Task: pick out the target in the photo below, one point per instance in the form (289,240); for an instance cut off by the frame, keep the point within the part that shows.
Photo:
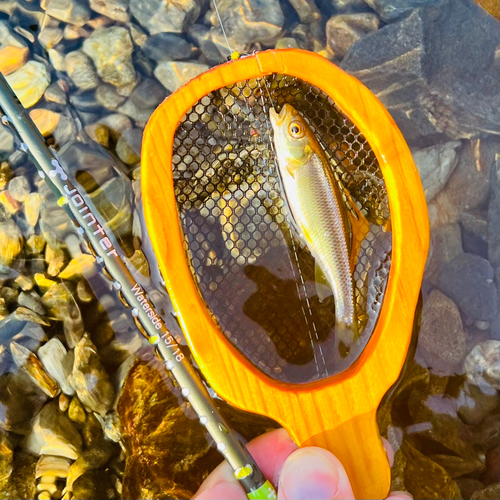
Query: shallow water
(126,432)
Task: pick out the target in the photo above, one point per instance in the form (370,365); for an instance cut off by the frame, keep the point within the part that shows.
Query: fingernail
(308,474)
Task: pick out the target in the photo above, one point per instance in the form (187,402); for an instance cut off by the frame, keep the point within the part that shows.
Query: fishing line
(294,249)
(222,27)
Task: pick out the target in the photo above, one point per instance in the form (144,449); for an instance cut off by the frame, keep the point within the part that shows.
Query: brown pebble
(63,402)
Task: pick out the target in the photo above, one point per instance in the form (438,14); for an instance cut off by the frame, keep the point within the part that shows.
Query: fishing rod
(132,295)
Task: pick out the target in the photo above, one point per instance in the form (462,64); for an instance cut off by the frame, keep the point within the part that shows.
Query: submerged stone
(434,71)
(29,82)
(13,50)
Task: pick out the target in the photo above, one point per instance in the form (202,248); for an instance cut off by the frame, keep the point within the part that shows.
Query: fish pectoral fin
(291,170)
(323,289)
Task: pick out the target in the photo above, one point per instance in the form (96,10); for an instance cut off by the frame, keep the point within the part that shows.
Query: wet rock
(27,333)
(81,70)
(438,483)
(148,94)
(475,233)
(27,360)
(419,67)
(55,93)
(51,466)
(306,10)
(21,483)
(92,432)
(63,402)
(94,484)
(138,114)
(98,133)
(83,265)
(53,433)
(70,11)
(89,379)
(435,165)
(29,82)
(20,400)
(114,9)
(349,5)
(76,411)
(60,304)
(491,492)
(468,486)
(19,188)
(490,475)
(56,361)
(391,9)
(117,124)
(92,458)
(85,101)
(468,185)
(6,456)
(32,208)
(441,333)
(56,258)
(458,466)
(158,17)
(494,235)
(345,29)
(35,244)
(11,242)
(6,173)
(468,280)
(148,411)
(172,75)
(167,47)
(110,49)
(482,366)
(287,43)
(128,147)
(13,50)
(32,301)
(56,58)
(11,205)
(49,37)
(6,140)
(246,22)
(107,96)
(445,245)
(45,120)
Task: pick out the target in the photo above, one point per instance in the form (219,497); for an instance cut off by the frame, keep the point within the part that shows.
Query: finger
(399,495)
(269,451)
(313,474)
(389,451)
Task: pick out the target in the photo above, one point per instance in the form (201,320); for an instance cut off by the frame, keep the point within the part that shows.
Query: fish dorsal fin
(323,288)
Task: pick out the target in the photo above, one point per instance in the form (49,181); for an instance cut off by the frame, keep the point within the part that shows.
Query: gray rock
(128,147)
(85,101)
(138,114)
(473,404)
(445,245)
(107,96)
(19,188)
(287,43)
(20,401)
(148,94)
(81,70)
(26,333)
(172,75)
(55,358)
(49,37)
(114,9)
(203,39)
(70,11)
(345,29)
(468,185)
(435,165)
(6,140)
(117,124)
(167,47)
(441,334)
(392,9)
(306,10)
(53,433)
(55,93)
(111,49)
(494,220)
(89,378)
(158,16)
(246,22)
(482,366)
(434,71)
(32,301)
(468,280)
(349,5)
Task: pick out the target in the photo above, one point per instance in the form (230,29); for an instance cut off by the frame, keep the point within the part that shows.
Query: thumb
(313,474)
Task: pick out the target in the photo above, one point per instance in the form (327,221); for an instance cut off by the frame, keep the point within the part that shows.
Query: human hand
(308,473)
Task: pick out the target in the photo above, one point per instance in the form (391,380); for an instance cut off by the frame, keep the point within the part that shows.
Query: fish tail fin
(359,227)
(345,333)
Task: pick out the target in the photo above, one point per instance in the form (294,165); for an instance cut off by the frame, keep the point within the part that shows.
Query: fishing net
(255,277)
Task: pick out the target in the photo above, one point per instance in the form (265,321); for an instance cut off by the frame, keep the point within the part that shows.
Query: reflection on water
(66,344)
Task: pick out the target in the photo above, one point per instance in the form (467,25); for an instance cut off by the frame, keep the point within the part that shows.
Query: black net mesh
(253,274)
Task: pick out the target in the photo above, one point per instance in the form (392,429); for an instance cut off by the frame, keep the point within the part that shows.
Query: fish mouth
(278,118)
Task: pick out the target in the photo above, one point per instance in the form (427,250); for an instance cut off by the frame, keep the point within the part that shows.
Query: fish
(319,215)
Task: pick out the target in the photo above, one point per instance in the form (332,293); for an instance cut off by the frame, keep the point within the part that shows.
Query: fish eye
(296,130)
